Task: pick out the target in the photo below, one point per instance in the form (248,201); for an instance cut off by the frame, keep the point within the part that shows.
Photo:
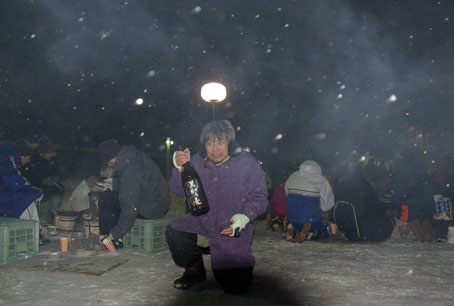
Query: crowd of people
(364,202)
(367,200)
(233,180)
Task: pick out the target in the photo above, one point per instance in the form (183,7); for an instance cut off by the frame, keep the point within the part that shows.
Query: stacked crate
(148,236)
(19,239)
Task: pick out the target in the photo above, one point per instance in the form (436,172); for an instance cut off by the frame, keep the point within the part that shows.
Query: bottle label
(192,188)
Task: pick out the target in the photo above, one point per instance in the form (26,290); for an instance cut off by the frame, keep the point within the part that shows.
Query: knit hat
(23,147)
(45,145)
(108,150)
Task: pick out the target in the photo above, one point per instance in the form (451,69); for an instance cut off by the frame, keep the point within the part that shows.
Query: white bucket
(451,234)
(66,223)
(91,227)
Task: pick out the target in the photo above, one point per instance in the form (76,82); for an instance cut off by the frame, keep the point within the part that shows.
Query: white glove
(107,239)
(108,243)
(180,168)
(238,221)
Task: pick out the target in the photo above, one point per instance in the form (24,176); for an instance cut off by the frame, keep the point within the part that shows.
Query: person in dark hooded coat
(414,187)
(43,172)
(139,190)
(413,194)
(17,196)
(358,212)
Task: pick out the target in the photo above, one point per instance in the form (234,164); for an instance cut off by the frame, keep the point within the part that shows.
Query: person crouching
(237,193)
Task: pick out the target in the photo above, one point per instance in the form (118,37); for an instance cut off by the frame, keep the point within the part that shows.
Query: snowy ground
(396,272)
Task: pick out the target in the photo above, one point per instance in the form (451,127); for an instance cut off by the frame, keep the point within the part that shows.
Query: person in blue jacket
(17,196)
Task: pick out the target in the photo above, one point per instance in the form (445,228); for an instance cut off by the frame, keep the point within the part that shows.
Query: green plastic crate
(172,213)
(147,236)
(19,239)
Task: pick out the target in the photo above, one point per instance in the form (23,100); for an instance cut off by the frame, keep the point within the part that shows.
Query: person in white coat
(308,194)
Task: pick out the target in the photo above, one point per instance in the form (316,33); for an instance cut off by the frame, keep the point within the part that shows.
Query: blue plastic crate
(19,239)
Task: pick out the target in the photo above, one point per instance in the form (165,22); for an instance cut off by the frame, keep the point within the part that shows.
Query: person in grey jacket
(308,195)
(142,191)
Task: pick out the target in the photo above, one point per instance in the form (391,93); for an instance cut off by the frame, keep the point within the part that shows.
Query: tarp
(79,198)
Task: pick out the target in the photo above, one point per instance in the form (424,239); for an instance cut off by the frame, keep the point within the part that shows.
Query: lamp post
(169,142)
(213,93)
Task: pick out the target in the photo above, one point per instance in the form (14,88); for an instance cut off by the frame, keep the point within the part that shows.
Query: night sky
(305,79)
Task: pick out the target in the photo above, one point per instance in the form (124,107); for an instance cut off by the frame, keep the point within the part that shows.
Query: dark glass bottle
(193,189)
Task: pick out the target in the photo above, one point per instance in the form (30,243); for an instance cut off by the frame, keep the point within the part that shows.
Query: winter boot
(285,224)
(280,223)
(404,230)
(268,222)
(289,236)
(417,229)
(191,276)
(428,231)
(301,236)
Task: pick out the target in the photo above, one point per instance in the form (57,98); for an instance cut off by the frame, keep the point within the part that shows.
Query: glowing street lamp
(213,93)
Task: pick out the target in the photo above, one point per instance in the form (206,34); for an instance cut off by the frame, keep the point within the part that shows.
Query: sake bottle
(193,189)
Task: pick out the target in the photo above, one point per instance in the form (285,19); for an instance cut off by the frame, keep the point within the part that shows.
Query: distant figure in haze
(377,176)
(308,194)
(413,194)
(236,190)
(17,196)
(278,209)
(353,162)
(358,212)
(269,190)
(43,172)
(443,175)
(139,191)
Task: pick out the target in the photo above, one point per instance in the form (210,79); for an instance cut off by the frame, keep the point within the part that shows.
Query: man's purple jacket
(235,187)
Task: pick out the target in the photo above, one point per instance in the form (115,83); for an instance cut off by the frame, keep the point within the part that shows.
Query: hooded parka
(308,193)
(16,193)
(142,189)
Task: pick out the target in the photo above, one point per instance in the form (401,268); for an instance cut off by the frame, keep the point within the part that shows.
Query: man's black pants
(185,253)
(108,211)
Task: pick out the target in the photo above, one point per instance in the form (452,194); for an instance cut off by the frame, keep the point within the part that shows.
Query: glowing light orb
(213,92)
